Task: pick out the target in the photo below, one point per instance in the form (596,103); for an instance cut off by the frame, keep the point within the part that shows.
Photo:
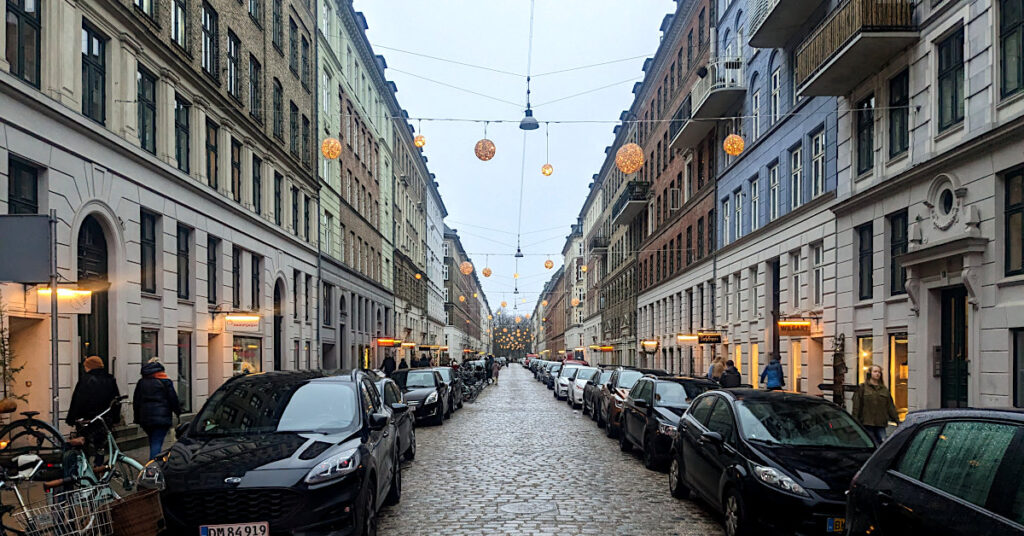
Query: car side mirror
(713,438)
(609,386)
(179,431)
(378,421)
(641,403)
(398,407)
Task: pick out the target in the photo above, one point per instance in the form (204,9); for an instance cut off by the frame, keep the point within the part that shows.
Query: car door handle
(884,498)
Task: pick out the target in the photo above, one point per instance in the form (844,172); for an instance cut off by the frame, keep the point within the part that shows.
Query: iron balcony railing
(599,242)
(722,73)
(635,191)
(846,22)
(682,115)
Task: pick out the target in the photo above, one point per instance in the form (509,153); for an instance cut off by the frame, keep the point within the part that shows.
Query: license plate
(836,524)
(236,529)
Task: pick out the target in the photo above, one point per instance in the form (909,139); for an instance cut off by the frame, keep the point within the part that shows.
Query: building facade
(574,288)
(464,320)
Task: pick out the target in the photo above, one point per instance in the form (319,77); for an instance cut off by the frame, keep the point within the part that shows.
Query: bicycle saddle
(30,414)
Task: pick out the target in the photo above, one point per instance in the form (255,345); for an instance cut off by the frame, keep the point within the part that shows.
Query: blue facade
(775,142)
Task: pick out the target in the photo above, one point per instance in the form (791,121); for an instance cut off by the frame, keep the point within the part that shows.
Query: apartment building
(464,320)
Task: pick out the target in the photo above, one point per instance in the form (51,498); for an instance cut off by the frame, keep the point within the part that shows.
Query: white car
(583,375)
(563,380)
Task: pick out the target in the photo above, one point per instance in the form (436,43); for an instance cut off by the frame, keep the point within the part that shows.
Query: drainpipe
(316,178)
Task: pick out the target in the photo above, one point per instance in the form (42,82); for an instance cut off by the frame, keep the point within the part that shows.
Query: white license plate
(236,529)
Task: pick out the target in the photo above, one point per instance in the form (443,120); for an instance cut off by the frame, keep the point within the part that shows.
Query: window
(145,104)
(277,30)
(179,23)
(150,344)
(700,238)
(278,194)
(865,135)
(256,288)
(755,206)
(1011,46)
(326,304)
(721,421)
(23,188)
(711,230)
(737,220)
(146,6)
(184,263)
(293,124)
(818,164)
(328,233)
(184,383)
(212,132)
(293,46)
(325,87)
(897,247)
(23,41)
(236,170)
(796,181)
(236,277)
(212,247)
(752,298)
(256,12)
(255,91)
(211,40)
(296,281)
(305,297)
(1018,367)
(773,191)
(1014,216)
(305,140)
(305,62)
(755,115)
(865,357)
(689,244)
(305,221)
(257,185)
(94,74)
(147,261)
(445,270)
(899,113)
(725,221)
(278,110)
(776,94)
(794,272)
(233,46)
(182,133)
(818,273)
(951,80)
(964,458)
(864,263)
(295,211)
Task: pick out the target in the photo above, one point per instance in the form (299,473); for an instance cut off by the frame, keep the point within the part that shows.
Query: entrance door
(93,328)
(278,326)
(954,348)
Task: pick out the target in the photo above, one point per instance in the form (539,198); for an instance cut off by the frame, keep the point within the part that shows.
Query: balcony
(720,89)
(599,243)
(852,43)
(773,22)
(631,202)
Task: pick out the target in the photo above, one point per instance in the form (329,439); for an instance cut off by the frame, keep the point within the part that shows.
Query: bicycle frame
(82,472)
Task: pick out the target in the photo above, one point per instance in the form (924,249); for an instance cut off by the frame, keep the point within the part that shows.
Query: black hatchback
(780,462)
(951,472)
(309,453)
(651,412)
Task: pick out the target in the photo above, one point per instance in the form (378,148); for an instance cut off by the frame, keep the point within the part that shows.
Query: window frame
(233,52)
(210,42)
(776,94)
(255,280)
(184,258)
(899,240)
(755,203)
(18,171)
(255,88)
(865,261)
(818,163)
(950,50)
(212,153)
(212,252)
(865,129)
(24,19)
(1011,210)
(278,198)
(257,185)
(145,106)
(773,191)
(94,75)
(277,25)
(180,24)
(1006,29)
(796,178)
(899,113)
(182,133)
(236,277)
(236,170)
(147,251)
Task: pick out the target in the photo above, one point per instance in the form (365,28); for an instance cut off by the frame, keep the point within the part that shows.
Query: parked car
(651,412)
(454,383)
(613,394)
(592,393)
(769,460)
(552,372)
(583,375)
(572,361)
(562,381)
(405,423)
(426,394)
(951,472)
(285,453)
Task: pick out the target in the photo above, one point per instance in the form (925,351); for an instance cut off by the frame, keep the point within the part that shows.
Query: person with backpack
(731,377)
(772,376)
(154,403)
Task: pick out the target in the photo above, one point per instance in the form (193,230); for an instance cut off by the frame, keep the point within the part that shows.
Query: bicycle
(33,450)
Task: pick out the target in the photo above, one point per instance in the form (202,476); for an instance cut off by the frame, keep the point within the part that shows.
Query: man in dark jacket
(95,390)
(155,401)
(388,366)
(731,377)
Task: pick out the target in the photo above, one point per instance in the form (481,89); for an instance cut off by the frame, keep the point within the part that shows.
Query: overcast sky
(482,198)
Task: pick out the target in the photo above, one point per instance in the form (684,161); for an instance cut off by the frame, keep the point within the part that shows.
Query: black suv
(651,413)
(310,452)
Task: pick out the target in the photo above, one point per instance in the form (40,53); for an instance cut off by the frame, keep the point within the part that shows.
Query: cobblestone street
(519,462)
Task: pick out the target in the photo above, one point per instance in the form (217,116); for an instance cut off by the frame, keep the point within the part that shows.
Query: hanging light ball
(575,302)
(475,295)
(466,267)
(418,276)
(544,303)
(547,170)
(518,319)
(419,141)
(527,316)
(487,272)
(549,264)
(733,145)
(484,149)
(331,148)
(544,319)
(462,298)
(515,276)
(583,268)
(490,317)
(629,158)
(504,330)
(504,304)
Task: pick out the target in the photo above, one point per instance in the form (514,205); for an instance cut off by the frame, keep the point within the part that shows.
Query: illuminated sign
(794,328)
(69,301)
(242,322)
(709,337)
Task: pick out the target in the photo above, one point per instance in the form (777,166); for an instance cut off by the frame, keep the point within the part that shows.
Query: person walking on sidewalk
(772,376)
(95,390)
(154,402)
(731,377)
(873,406)
(388,366)
(495,369)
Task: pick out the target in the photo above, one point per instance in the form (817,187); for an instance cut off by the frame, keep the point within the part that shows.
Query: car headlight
(431,399)
(776,479)
(338,465)
(667,429)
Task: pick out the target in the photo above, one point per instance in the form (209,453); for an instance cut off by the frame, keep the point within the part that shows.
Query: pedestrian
(873,406)
(388,366)
(731,377)
(772,376)
(716,369)
(154,402)
(402,364)
(495,369)
(488,365)
(95,391)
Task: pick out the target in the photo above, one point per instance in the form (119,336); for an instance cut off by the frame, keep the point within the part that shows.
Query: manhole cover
(527,507)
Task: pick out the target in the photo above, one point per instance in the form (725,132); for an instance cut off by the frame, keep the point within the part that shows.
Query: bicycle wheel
(124,475)
(31,436)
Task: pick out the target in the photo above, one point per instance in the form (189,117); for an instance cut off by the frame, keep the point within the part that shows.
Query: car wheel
(439,418)
(609,429)
(448,414)
(410,452)
(624,444)
(395,493)
(735,514)
(368,524)
(649,461)
(677,479)
(599,417)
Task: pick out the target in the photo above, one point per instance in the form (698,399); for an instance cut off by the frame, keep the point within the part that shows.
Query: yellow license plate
(836,524)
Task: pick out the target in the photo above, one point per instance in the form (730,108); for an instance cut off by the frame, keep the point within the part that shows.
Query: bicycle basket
(80,512)
(138,514)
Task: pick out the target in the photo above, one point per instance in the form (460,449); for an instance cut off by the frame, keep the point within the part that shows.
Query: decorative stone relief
(945,201)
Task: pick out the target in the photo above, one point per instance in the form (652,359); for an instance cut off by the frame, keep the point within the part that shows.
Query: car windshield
(799,424)
(568,372)
(586,374)
(267,407)
(628,377)
(672,394)
(415,379)
(446,374)
(605,374)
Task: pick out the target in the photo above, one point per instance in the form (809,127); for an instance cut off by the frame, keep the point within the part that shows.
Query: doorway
(94,328)
(279,325)
(954,348)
